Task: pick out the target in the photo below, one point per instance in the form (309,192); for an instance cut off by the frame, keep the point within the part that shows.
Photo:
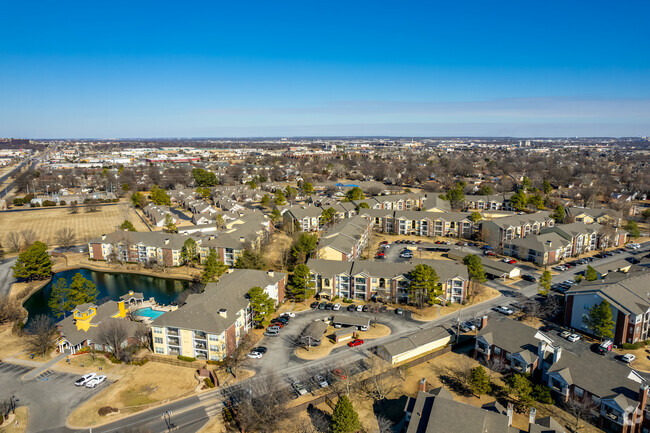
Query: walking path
(44,366)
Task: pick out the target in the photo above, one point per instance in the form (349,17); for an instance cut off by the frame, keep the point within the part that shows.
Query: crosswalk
(213,409)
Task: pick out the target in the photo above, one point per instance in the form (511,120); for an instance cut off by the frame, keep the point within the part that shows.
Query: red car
(356,342)
(490,253)
(512,262)
(383,243)
(339,373)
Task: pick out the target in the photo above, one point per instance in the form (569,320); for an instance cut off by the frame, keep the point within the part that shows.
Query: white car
(336,307)
(95,381)
(628,357)
(288,314)
(299,388)
(320,380)
(565,334)
(254,355)
(573,338)
(504,310)
(84,379)
(359,307)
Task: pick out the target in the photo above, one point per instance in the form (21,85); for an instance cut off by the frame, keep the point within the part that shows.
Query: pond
(111,287)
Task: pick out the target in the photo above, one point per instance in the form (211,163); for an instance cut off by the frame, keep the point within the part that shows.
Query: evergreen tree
(189,252)
(423,284)
(204,178)
(485,190)
(344,418)
(128,225)
(212,268)
(280,199)
(559,214)
(82,290)
(546,187)
(250,260)
(300,284)
(159,196)
(34,263)
(476,217)
(519,200)
(137,199)
(290,192)
(479,382)
(307,188)
(521,386)
(590,274)
(632,228)
(59,302)
(276,215)
(526,184)
(261,303)
(456,196)
(170,225)
(354,193)
(327,217)
(219,221)
(266,200)
(475,268)
(303,246)
(537,201)
(544,283)
(599,320)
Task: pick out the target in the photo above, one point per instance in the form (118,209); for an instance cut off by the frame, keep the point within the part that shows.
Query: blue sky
(217,69)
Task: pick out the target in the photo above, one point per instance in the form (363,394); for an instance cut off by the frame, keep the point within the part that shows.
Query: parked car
(467,326)
(605,346)
(399,311)
(320,380)
(314,304)
(299,388)
(337,372)
(573,338)
(365,308)
(321,306)
(352,307)
(512,261)
(329,306)
(356,342)
(628,357)
(528,278)
(255,355)
(504,310)
(336,307)
(95,381)
(565,334)
(359,307)
(271,333)
(489,253)
(260,349)
(274,328)
(383,309)
(288,314)
(84,379)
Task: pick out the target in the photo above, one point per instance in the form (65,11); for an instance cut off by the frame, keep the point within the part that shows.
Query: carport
(340,320)
(498,269)
(344,334)
(313,333)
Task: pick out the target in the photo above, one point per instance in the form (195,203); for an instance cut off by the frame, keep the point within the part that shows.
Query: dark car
(528,278)
(329,306)
(383,309)
(352,307)
(365,308)
(322,305)
(260,349)
(314,304)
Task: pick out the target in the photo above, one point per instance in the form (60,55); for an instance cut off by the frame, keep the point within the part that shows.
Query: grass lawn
(484,293)
(11,344)
(273,252)
(21,417)
(135,386)
(45,222)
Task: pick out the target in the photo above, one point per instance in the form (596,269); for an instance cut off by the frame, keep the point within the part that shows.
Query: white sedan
(628,357)
(84,379)
(320,380)
(95,381)
(336,307)
(288,314)
(573,338)
(254,355)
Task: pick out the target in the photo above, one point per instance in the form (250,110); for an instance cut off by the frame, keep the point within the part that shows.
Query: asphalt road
(6,275)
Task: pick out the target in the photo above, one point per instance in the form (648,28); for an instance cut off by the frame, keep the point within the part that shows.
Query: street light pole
(167,416)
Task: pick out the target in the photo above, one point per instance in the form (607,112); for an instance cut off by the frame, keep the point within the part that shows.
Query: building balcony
(173,341)
(199,335)
(171,331)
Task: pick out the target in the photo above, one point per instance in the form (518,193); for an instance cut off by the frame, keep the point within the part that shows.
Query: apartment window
(579,392)
(214,348)
(497,351)
(214,337)
(158,340)
(160,350)
(157,330)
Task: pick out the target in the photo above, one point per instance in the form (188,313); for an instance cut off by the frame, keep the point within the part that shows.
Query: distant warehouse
(414,344)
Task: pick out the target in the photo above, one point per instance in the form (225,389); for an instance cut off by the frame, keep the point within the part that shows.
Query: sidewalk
(44,366)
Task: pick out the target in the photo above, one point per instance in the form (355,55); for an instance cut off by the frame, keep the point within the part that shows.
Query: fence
(164,360)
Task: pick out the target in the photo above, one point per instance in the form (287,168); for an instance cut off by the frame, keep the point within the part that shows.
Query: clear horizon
(256,69)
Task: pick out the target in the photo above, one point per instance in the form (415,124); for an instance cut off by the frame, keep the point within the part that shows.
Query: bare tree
(382,381)
(384,425)
(581,409)
(73,209)
(496,365)
(143,335)
(112,335)
(40,334)
(65,237)
(92,206)
(13,240)
(29,237)
(9,310)
(233,362)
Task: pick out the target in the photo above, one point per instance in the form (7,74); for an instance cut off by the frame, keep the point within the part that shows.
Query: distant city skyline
(255,69)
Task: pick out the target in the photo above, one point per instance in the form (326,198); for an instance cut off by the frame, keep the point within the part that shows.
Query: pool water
(148,312)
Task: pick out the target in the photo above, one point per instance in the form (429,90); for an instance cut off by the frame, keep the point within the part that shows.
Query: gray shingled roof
(416,339)
(626,293)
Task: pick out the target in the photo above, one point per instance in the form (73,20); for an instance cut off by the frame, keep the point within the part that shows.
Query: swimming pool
(148,312)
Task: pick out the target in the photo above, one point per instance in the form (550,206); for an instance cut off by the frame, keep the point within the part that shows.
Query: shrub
(141,362)
(213,362)
(18,202)
(208,382)
(114,360)
(103,411)
(335,298)
(48,203)
(633,346)
(542,394)
(186,358)
(347,301)
(62,203)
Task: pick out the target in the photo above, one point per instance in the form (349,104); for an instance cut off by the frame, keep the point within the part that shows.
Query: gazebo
(132,298)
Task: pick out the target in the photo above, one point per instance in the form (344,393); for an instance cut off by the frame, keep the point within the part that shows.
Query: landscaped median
(376,331)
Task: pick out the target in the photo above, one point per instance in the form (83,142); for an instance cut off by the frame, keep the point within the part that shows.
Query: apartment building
(345,240)
(304,218)
(627,294)
(541,249)
(139,247)
(374,279)
(499,230)
(499,202)
(418,223)
(591,216)
(210,325)
(401,202)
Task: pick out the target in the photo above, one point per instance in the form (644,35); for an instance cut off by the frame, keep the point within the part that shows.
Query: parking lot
(50,396)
